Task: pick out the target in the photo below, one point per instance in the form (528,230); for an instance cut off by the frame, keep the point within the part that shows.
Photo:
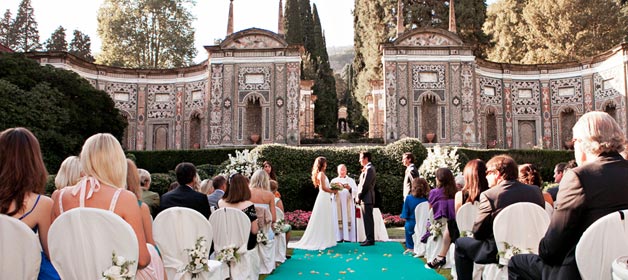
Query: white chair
(381,234)
(280,240)
(619,268)
(435,243)
(520,225)
(177,230)
(421,216)
(82,240)
(465,218)
(600,244)
(20,250)
(549,209)
(232,228)
(266,251)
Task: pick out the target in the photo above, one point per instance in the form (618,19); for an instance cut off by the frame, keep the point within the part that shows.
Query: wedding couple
(321,229)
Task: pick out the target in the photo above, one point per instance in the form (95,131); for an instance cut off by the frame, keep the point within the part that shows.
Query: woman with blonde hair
(103,186)
(22,181)
(69,173)
(260,191)
(320,232)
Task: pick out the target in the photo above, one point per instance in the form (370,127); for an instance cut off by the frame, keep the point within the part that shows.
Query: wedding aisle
(351,261)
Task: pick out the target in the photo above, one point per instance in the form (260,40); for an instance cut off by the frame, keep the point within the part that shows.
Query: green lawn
(397,233)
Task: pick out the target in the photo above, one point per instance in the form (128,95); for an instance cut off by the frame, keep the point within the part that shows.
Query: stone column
(141,117)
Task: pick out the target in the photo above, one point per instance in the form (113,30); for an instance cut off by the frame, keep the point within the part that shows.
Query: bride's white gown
(320,232)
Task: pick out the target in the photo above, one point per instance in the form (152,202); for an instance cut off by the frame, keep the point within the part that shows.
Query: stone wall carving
(390,87)
(402,83)
(161,109)
(226,105)
(292,102)
(243,71)
(526,105)
(426,39)
(468,108)
(253,42)
(439,69)
(573,100)
(280,93)
(215,114)
(131,89)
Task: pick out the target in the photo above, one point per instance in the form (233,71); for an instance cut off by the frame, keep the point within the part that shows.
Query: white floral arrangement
(509,251)
(280,226)
(119,269)
(244,162)
(262,238)
(228,254)
(436,228)
(336,187)
(197,258)
(438,157)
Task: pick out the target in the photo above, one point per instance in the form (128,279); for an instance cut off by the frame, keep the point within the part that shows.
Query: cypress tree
(81,46)
(6,34)
(292,23)
(326,105)
(470,17)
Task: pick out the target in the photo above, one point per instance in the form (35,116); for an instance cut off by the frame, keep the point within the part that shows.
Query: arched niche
(611,109)
(195,131)
(567,120)
(160,141)
(429,118)
(527,134)
(491,129)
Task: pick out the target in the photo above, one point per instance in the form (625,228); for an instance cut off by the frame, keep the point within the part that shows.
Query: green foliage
(160,182)
(163,161)
(58,106)
(50,185)
(292,23)
(146,33)
(57,41)
(6,32)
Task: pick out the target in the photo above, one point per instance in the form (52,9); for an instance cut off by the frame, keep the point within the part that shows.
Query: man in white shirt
(411,172)
(343,204)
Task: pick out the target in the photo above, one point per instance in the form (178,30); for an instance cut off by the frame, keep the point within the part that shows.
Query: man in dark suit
(411,172)
(367,196)
(184,195)
(505,190)
(599,186)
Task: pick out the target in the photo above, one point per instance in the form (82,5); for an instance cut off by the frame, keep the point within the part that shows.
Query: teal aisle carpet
(385,260)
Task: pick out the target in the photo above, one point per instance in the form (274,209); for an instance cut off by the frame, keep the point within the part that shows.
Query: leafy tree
(422,13)
(57,41)
(146,33)
(24,28)
(81,46)
(59,106)
(6,32)
(470,17)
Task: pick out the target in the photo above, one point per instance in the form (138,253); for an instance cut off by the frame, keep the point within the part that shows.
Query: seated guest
(441,201)
(103,187)
(69,173)
(173,186)
(207,187)
(220,185)
(419,191)
(588,192)
(149,197)
(474,183)
(559,170)
(238,196)
(23,178)
(504,190)
(156,270)
(529,174)
(184,195)
(260,191)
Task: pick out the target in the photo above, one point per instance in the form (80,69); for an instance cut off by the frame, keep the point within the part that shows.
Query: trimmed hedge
(163,161)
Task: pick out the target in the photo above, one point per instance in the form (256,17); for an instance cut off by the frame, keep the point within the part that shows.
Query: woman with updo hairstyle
(104,187)
(238,195)
(23,178)
(529,174)
(69,173)
(260,192)
(320,232)
(474,183)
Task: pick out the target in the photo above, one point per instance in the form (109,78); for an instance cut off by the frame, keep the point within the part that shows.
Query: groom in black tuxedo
(367,196)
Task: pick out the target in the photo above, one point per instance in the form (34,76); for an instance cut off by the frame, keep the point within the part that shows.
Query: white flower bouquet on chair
(244,162)
(280,226)
(119,269)
(228,254)
(436,229)
(510,250)
(262,238)
(198,261)
(438,157)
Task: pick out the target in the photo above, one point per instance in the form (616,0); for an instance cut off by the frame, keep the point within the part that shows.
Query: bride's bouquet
(336,187)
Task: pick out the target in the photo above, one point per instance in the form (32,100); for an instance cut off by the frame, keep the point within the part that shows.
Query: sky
(210,23)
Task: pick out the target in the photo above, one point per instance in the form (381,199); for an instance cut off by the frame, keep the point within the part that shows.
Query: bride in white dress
(320,232)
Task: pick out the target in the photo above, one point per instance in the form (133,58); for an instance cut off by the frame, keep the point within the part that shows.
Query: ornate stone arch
(567,117)
(428,37)
(254,38)
(253,97)
(194,122)
(127,141)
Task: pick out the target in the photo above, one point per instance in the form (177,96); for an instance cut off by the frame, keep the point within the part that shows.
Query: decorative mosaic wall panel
(575,100)
(608,92)
(192,92)
(546,109)
(161,110)
(468,110)
(390,84)
(526,106)
(427,39)
(264,84)
(254,42)
(456,103)
(402,84)
(280,97)
(439,69)
(131,89)
(508,100)
(215,114)
(292,104)
(226,105)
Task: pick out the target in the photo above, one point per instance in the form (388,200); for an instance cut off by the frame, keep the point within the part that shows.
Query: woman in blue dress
(22,181)
(418,194)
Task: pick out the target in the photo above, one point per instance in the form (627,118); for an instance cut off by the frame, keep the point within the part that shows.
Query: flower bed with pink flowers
(299,219)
